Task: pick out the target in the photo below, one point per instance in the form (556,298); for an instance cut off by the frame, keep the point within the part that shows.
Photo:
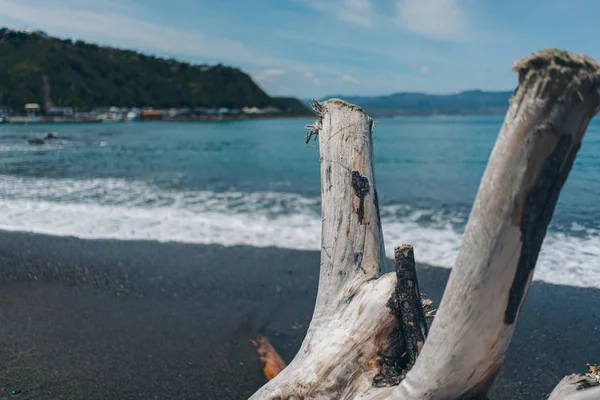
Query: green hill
(37,68)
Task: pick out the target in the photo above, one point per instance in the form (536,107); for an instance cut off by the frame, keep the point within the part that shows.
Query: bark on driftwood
(408,303)
(353,333)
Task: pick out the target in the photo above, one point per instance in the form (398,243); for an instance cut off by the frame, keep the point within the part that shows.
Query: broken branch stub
(547,118)
(409,304)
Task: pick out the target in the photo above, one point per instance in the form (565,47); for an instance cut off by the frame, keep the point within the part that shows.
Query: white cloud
(435,19)
(424,71)
(106,26)
(274,72)
(357,12)
(350,79)
(312,78)
(268,75)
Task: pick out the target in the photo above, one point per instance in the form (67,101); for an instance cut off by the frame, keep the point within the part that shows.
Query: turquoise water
(257,183)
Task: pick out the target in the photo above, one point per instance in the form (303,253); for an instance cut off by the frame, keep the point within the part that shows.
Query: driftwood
(355,336)
(579,387)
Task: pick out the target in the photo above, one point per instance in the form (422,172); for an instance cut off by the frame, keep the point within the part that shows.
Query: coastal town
(32,113)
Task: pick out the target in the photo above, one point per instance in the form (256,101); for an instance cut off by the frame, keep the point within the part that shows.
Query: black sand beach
(102,319)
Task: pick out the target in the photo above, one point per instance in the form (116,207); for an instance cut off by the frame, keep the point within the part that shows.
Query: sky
(317,48)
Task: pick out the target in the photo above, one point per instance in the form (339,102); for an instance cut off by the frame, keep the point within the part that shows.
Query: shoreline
(200,118)
(97,319)
(216,118)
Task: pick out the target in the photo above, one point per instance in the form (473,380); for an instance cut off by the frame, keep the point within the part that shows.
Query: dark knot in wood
(360,184)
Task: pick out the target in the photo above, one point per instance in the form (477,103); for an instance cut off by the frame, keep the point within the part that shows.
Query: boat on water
(23,120)
(131,116)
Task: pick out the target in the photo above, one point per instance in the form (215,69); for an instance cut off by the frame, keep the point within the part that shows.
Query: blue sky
(314,48)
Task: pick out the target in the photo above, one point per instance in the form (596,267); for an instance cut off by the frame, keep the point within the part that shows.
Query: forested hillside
(41,69)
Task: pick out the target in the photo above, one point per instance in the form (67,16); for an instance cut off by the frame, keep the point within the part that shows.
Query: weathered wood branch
(579,387)
(352,247)
(352,331)
(548,115)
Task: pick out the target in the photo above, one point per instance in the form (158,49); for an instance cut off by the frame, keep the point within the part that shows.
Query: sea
(257,183)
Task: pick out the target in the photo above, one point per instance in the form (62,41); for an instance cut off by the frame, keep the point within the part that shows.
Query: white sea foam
(117,209)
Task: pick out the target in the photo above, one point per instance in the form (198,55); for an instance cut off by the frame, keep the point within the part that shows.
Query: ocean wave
(124,210)
(20,148)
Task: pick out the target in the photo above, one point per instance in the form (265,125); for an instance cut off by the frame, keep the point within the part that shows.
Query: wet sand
(104,319)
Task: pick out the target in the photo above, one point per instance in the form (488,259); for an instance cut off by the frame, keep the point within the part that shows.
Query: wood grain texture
(352,247)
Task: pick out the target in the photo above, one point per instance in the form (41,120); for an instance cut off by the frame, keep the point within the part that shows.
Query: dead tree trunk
(352,330)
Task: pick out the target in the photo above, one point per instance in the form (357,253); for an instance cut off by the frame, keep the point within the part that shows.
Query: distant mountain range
(470,102)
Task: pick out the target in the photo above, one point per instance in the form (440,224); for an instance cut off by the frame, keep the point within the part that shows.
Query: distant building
(32,109)
(271,110)
(150,115)
(60,112)
(251,110)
